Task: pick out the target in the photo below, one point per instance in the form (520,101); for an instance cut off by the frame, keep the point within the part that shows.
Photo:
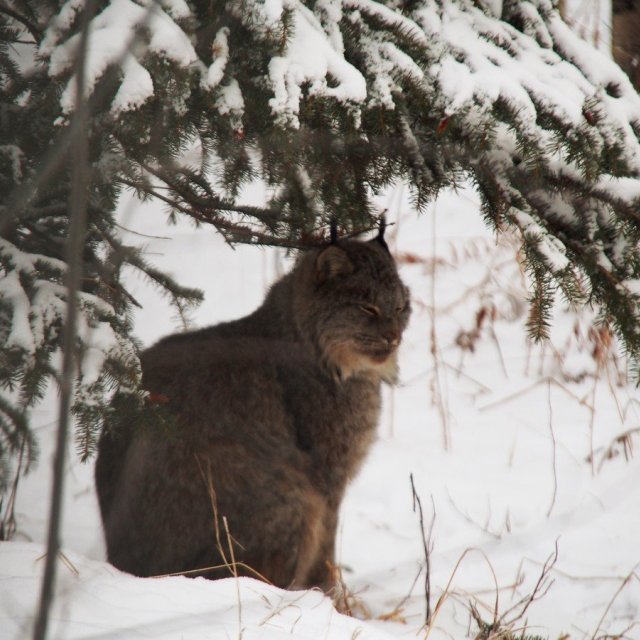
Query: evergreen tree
(328,102)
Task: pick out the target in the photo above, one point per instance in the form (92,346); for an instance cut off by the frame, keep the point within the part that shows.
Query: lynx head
(350,303)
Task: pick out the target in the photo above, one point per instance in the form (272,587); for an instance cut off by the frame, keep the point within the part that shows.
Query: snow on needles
(310,59)
(480,59)
(457,56)
(111,35)
(34,308)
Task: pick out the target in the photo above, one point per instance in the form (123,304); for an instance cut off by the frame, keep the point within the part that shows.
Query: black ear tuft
(333,231)
(382,227)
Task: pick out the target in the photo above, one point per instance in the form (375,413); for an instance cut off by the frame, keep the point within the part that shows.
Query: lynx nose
(392,338)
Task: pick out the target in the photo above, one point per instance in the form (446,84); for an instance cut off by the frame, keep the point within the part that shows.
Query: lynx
(273,413)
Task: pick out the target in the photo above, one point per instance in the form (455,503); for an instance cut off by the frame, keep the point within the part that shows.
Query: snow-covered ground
(514,453)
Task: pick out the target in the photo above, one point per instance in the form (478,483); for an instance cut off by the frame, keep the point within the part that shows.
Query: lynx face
(358,310)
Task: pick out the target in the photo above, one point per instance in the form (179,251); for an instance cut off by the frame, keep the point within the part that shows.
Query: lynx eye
(369,309)
(402,308)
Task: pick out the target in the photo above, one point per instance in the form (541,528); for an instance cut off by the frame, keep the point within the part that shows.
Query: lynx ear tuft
(382,227)
(331,262)
(333,231)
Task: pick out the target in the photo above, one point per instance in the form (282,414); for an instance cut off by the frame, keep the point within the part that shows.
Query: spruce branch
(33,29)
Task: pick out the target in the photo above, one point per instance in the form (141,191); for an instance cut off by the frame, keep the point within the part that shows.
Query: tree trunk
(625,37)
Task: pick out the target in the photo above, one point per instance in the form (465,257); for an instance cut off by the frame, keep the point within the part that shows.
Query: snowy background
(522,456)
(514,450)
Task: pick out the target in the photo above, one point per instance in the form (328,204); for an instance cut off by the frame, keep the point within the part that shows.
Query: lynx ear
(331,262)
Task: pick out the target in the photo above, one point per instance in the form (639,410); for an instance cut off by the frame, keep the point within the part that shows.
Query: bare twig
(344,600)
(8,524)
(208,480)
(427,547)
(553,441)
(214,567)
(447,591)
(282,606)
(439,387)
(632,574)
(592,418)
(624,439)
(531,387)
(396,613)
(234,569)
(484,528)
(570,576)
(78,222)
(540,589)
(502,627)
(445,594)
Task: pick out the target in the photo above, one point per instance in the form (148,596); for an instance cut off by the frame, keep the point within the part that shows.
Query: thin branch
(78,222)
(447,591)
(8,523)
(484,528)
(211,202)
(32,28)
(396,613)
(625,582)
(422,173)
(426,544)
(540,589)
(140,234)
(554,456)
(439,391)
(623,439)
(531,387)
(214,567)
(233,232)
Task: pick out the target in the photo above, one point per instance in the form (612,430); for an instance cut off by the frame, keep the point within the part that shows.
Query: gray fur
(274,414)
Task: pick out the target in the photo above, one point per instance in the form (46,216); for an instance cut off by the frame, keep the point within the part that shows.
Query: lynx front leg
(313,562)
(321,573)
(276,518)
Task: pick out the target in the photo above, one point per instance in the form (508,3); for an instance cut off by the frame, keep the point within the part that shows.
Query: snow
(528,464)
(602,72)
(627,189)
(273,11)
(494,6)
(97,604)
(59,23)
(331,11)
(221,57)
(118,23)
(34,310)
(550,247)
(513,448)
(310,58)
(230,101)
(12,292)
(177,9)
(35,304)
(136,86)
(496,72)
(389,16)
